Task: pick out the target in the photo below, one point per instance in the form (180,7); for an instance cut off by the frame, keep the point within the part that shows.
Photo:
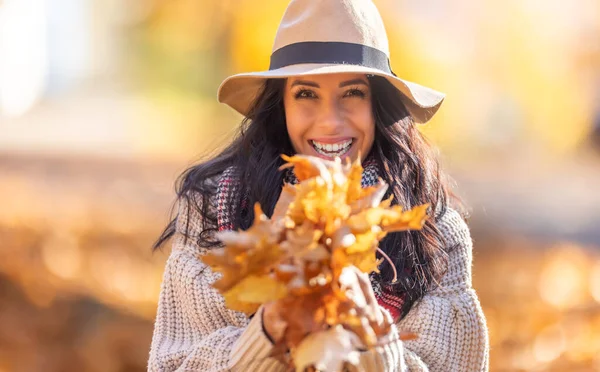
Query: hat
(324,37)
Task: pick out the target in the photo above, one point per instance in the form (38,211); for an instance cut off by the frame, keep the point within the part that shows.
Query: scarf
(228,190)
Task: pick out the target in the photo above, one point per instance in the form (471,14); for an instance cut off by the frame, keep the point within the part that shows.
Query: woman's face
(330,115)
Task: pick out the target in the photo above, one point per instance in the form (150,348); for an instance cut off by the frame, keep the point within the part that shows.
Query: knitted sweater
(195,331)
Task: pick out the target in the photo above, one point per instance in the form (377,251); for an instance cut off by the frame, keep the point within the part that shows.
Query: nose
(331,119)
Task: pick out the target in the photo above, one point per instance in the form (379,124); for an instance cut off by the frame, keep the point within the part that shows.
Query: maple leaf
(326,350)
(245,253)
(260,289)
(233,302)
(288,193)
(320,242)
(370,198)
(354,189)
(409,220)
(306,167)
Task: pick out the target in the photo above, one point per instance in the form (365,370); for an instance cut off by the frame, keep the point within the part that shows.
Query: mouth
(332,150)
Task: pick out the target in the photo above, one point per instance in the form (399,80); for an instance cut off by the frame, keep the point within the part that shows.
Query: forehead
(327,80)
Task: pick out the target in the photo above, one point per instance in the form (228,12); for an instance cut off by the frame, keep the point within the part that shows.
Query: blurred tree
(254,25)
(180,45)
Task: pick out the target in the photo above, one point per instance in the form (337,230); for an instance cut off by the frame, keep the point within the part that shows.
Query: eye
(305,93)
(355,92)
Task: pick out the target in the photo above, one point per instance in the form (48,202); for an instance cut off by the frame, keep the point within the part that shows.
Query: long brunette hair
(406,160)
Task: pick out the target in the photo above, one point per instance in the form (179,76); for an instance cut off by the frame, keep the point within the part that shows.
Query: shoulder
(459,250)
(454,228)
(194,196)
(196,209)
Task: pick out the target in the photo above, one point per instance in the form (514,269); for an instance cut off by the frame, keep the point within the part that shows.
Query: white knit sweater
(194,331)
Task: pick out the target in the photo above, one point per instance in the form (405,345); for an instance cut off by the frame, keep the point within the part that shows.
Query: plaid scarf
(228,190)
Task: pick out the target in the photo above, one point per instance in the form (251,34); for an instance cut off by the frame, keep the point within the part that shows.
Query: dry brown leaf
(321,227)
(306,167)
(326,351)
(246,253)
(288,193)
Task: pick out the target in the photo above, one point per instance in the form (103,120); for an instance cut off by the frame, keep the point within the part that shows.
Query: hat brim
(239,91)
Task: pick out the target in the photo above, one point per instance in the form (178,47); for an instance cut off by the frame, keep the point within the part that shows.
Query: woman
(329,92)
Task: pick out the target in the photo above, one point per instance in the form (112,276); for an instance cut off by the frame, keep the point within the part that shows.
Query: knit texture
(195,331)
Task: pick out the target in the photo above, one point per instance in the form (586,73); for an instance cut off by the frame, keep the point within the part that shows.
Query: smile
(332,150)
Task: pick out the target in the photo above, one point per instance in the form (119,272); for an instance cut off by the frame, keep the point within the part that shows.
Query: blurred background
(103,103)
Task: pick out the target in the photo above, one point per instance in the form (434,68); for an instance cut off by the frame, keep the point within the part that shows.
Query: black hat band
(330,52)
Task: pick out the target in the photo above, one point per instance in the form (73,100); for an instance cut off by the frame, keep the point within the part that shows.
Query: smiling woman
(330,115)
(329,92)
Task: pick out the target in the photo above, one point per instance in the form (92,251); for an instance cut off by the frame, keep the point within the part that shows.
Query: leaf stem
(391,263)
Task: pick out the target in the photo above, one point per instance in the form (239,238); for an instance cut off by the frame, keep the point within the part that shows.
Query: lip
(331,140)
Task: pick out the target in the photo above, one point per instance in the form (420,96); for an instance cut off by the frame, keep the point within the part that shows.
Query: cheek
(366,126)
(296,123)
(369,140)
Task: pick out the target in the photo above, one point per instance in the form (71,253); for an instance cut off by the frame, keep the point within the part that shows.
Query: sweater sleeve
(194,331)
(449,322)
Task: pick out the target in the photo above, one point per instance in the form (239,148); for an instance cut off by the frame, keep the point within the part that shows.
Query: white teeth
(332,150)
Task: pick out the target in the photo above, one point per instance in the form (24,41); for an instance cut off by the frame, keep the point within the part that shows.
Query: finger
(367,288)
(350,283)
(369,295)
(387,316)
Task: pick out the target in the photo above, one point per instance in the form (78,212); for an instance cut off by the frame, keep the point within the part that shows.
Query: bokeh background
(103,103)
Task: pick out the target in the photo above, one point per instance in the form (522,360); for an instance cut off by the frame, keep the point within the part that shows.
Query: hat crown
(348,21)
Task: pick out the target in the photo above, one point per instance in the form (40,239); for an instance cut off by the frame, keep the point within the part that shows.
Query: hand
(357,286)
(359,289)
(273,323)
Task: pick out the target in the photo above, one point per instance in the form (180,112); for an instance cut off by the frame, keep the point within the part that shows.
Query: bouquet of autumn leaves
(321,227)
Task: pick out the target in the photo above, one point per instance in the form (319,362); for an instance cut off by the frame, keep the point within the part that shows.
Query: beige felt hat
(324,37)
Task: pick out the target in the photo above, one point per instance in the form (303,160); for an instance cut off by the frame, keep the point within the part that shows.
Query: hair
(407,163)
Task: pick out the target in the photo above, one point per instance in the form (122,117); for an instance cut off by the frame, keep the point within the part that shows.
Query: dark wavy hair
(407,162)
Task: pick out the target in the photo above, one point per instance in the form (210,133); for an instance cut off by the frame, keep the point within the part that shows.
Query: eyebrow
(342,84)
(353,82)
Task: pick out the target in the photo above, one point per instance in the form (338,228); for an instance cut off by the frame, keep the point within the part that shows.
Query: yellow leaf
(366,263)
(288,192)
(233,302)
(245,253)
(260,289)
(410,220)
(306,167)
(365,242)
(354,188)
(371,197)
